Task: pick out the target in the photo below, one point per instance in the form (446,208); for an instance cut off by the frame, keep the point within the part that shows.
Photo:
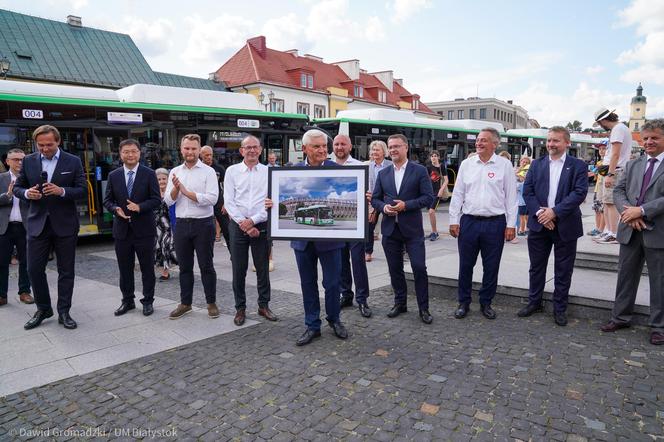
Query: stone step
(602,262)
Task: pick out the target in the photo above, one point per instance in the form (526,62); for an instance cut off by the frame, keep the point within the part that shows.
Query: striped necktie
(130,182)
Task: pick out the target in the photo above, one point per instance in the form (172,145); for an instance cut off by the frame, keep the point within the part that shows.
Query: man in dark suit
(639,197)
(51,181)
(132,195)
(556,185)
(220,214)
(401,192)
(13,213)
(308,253)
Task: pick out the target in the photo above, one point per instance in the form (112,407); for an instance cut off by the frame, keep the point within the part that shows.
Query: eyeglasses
(251,147)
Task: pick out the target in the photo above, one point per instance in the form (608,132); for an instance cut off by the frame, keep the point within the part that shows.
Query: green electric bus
(317,215)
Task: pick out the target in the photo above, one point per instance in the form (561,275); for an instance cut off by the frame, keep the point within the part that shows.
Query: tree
(576,126)
(283,210)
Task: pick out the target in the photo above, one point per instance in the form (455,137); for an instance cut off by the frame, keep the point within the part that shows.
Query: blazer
(571,192)
(60,210)
(626,193)
(416,191)
(145,193)
(321,246)
(6,203)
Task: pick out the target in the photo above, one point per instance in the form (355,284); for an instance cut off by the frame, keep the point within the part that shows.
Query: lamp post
(4,66)
(262,97)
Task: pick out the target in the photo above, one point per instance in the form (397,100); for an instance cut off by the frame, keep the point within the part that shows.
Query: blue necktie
(130,182)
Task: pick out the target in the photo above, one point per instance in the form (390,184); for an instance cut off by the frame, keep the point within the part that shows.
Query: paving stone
(437,378)
(422,426)
(363,382)
(319,378)
(638,354)
(598,357)
(382,353)
(487,417)
(595,424)
(429,408)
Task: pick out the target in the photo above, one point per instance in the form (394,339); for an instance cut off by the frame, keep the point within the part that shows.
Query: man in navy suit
(308,253)
(51,180)
(556,185)
(132,195)
(401,192)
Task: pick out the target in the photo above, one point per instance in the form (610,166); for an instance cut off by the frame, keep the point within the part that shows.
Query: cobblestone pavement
(393,379)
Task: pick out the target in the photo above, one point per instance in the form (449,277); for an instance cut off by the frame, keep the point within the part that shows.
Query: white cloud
(153,37)
(594,70)
(209,39)
(329,21)
(285,32)
(647,51)
(344,195)
(404,9)
(647,15)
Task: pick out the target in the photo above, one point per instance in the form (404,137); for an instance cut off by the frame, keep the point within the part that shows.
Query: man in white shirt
(484,204)
(353,251)
(619,150)
(245,190)
(556,185)
(12,232)
(194,189)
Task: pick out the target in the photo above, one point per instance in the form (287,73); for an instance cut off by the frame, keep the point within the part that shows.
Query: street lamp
(261,99)
(4,66)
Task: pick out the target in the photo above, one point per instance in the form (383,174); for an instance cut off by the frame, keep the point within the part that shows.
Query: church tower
(637,114)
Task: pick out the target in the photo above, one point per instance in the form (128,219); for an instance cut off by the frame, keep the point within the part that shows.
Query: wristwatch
(611,174)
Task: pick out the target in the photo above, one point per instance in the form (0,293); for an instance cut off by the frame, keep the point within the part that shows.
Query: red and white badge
(491,174)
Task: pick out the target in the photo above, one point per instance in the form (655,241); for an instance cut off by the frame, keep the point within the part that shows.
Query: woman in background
(165,256)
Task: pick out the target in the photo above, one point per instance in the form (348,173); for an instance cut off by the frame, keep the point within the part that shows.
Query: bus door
(287,148)
(103,156)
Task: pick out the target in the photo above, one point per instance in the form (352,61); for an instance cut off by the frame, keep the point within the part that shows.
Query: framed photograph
(325,203)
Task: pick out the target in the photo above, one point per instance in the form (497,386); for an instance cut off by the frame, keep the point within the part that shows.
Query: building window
(460,114)
(306,81)
(319,111)
(416,104)
(303,108)
(450,115)
(471,114)
(276,105)
(636,126)
(483,113)
(495,114)
(358,91)
(382,96)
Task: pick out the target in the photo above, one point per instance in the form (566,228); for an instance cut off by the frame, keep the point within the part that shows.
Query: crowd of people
(167,218)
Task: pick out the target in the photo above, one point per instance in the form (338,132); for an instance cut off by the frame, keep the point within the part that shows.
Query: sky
(560,60)
(319,187)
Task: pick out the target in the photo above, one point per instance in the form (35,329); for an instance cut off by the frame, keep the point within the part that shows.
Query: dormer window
(306,81)
(416,104)
(358,91)
(382,96)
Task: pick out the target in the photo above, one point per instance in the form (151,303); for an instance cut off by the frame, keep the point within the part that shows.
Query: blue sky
(559,60)
(318,187)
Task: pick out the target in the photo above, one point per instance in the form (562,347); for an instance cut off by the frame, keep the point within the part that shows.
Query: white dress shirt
(555,169)
(398,174)
(126,173)
(659,157)
(350,161)
(485,189)
(200,179)
(15,214)
(48,165)
(245,191)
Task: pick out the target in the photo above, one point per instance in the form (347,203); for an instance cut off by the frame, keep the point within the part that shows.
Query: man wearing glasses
(12,231)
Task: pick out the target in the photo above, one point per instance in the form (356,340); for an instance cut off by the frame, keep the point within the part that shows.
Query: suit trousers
(13,236)
(539,249)
(196,235)
(39,247)
(224,225)
(239,245)
(127,250)
(630,265)
(352,255)
(369,245)
(393,246)
(485,237)
(307,266)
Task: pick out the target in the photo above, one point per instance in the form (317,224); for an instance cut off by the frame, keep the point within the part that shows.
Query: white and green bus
(316,215)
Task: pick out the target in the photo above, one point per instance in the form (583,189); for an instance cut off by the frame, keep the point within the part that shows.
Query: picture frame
(326,203)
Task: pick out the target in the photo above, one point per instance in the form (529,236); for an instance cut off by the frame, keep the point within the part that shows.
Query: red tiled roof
(247,66)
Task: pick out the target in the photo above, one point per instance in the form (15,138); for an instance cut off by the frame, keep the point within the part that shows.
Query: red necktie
(646,180)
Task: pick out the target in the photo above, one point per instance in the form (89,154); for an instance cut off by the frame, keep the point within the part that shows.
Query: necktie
(646,180)
(130,182)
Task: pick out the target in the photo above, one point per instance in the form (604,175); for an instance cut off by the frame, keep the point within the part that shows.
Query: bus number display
(33,114)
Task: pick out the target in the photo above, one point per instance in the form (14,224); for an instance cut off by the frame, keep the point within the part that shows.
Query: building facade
(637,110)
(490,109)
(284,81)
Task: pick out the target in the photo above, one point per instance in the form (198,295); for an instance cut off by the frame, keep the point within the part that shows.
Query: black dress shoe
(461,311)
(37,318)
(426,317)
(560,318)
(397,310)
(124,308)
(148,309)
(308,336)
(346,301)
(488,312)
(365,311)
(67,321)
(657,338)
(529,310)
(339,330)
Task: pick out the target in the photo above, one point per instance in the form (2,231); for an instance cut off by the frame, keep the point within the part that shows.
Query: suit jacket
(60,210)
(626,193)
(415,191)
(321,246)
(571,192)
(6,203)
(145,193)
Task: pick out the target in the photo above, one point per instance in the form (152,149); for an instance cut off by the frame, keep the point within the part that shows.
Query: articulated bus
(452,138)
(318,215)
(93,121)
